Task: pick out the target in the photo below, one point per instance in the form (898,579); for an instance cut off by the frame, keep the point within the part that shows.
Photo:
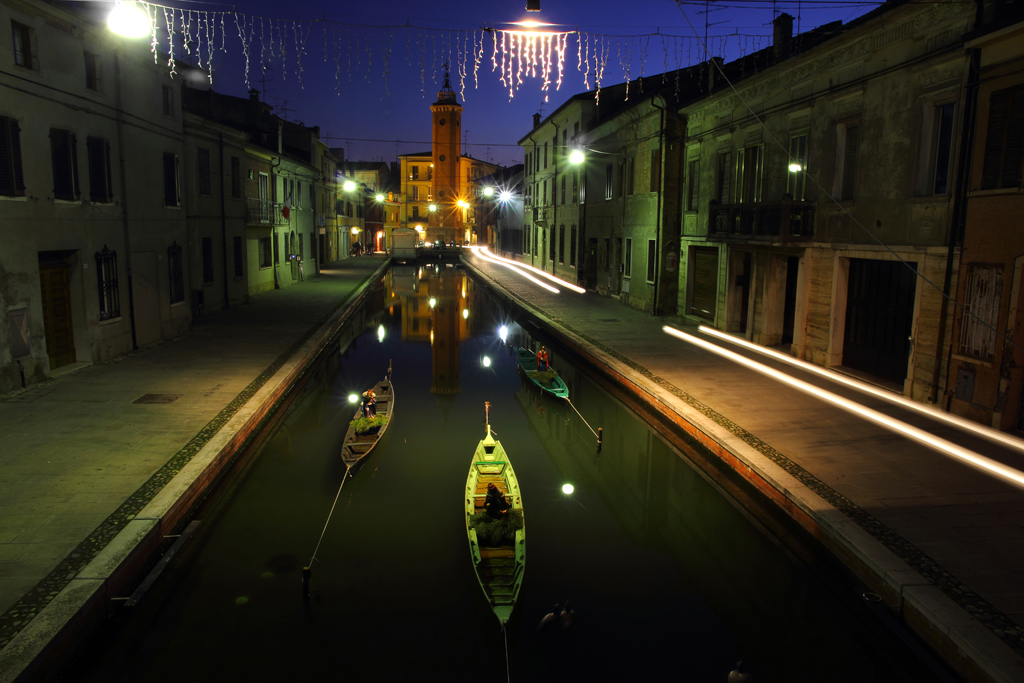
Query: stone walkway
(82,455)
(959,528)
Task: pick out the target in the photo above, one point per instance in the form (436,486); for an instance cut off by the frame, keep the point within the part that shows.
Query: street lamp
(432,208)
(379,197)
(576,157)
(462,204)
(349,186)
(129,20)
(488,191)
(795,167)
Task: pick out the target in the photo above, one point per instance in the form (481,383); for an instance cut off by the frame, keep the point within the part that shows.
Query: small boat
(358,446)
(499,566)
(528,362)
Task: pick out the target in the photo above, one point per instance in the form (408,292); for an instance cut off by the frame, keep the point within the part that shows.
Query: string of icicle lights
(366,51)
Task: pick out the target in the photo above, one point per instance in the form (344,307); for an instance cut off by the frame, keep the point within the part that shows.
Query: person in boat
(542,360)
(495,504)
(369,403)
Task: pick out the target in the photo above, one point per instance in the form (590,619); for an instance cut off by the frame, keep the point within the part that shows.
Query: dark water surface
(669,579)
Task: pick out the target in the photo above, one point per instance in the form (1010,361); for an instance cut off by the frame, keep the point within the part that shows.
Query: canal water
(669,579)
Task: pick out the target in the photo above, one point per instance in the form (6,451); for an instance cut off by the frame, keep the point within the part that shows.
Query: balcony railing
(786,219)
(264,212)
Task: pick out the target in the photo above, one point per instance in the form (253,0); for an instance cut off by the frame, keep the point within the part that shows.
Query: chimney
(536,120)
(783,35)
(254,95)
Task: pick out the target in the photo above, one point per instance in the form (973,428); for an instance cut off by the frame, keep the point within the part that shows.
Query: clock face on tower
(442,122)
(442,157)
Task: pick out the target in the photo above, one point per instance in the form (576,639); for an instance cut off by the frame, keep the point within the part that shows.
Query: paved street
(79,456)
(959,528)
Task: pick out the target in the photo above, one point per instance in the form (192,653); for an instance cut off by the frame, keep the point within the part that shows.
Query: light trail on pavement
(930,411)
(485,254)
(966,456)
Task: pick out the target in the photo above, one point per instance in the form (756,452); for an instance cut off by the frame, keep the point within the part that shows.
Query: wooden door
(879,317)
(55,287)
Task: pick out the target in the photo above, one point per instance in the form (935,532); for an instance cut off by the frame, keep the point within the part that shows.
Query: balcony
(264,212)
(786,220)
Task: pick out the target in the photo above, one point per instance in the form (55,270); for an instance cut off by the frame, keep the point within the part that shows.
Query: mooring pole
(306,573)
(600,436)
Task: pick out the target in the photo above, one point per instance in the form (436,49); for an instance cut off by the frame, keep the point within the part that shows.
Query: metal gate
(879,317)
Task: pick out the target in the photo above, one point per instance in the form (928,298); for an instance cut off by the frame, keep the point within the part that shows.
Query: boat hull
(499,569)
(358,446)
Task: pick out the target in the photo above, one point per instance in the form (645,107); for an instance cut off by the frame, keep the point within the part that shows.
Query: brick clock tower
(447,221)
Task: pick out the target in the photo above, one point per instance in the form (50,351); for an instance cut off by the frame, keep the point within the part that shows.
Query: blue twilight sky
(343,87)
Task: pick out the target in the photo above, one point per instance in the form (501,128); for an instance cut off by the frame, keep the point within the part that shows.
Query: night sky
(347,95)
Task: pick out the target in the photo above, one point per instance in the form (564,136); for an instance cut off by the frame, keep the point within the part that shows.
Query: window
(23,39)
(236,177)
(301,253)
(1004,140)
(565,143)
(749,164)
(693,185)
(239,256)
(723,187)
(563,191)
(796,181)
(168,100)
(415,193)
(12,182)
(92,72)
(544,193)
(64,153)
(545,155)
(583,186)
(943,145)
(415,172)
(652,260)
(572,245)
(526,163)
(655,170)
(101,189)
(608,181)
(264,252)
(172,195)
(561,243)
(175,273)
(207,261)
(536,241)
(575,187)
(551,244)
(844,182)
(277,253)
(415,213)
(630,175)
(106,283)
(205,184)
(627,259)
(981,311)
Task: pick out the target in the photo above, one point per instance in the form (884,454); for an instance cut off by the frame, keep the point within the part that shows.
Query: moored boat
(528,364)
(498,553)
(358,444)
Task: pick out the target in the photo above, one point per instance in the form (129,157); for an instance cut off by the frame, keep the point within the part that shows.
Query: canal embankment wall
(741,466)
(42,648)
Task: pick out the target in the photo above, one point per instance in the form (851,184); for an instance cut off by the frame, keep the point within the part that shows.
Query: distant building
(501,196)
(439,188)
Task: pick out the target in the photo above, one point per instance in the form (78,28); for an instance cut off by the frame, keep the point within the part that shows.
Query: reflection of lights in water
(487,362)
(353,398)
(503,333)
(431,336)
(433,302)
(964,455)
(465,313)
(380,333)
(567,489)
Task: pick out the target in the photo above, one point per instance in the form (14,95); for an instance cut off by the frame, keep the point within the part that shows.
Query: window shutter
(74,166)
(170,182)
(1010,176)
(998,109)
(7,134)
(60,154)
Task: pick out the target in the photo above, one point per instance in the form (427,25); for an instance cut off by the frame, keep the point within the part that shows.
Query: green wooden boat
(528,363)
(499,568)
(358,446)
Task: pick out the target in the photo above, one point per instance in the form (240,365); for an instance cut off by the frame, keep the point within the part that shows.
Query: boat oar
(600,430)
(307,571)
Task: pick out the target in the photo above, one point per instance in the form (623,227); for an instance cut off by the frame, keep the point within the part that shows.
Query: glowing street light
(462,204)
(349,186)
(129,20)
(795,167)
(379,197)
(505,196)
(419,228)
(576,157)
(487,362)
(432,208)
(503,333)
(353,398)
(355,230)
(567,489)
(488,191)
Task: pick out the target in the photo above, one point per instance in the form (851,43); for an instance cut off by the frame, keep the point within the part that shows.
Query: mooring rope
(343,479)
(508,676)
(581,417)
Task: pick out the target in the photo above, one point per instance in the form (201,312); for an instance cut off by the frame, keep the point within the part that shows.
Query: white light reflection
(964,455)
(567,489)
(978,429)
(483,253)
(380,333)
